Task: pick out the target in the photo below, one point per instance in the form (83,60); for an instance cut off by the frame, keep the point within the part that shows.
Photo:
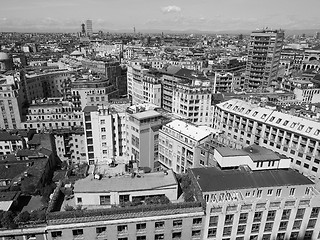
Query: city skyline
(178,15)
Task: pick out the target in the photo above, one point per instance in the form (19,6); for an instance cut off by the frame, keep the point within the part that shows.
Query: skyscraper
(263,58)
(89,27)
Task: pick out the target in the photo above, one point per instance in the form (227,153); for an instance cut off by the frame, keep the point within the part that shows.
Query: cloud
(169,9)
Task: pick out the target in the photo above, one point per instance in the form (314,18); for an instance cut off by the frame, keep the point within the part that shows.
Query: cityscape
(176,127)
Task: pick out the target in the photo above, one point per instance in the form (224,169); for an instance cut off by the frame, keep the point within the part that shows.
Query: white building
(104,133)
(177,145)
(242,124)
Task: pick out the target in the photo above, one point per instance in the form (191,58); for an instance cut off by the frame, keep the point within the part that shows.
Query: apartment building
(10,143)
(223,82)
(178,142)
(145,85)
(104,132)
(265,204)
(11,100)
(263,58)
(142,133)
(70,144)
(242,123)
(305,91)
(192,102)
(52,113)
(43,83)
(89,90)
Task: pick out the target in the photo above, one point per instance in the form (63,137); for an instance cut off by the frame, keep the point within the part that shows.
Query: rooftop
(188,129)
(214,179)
(146,114)
(145,182)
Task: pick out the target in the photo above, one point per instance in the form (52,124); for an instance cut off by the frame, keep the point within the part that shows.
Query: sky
(174,15)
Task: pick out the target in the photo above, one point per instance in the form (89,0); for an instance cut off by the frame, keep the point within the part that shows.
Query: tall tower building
(89,27)
(263,58)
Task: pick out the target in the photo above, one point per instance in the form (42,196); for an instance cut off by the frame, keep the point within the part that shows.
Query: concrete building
(223,82)
(53,113)
(10,143)
(70,144)
(11,100)
(192,102)
(242,124)
(142,134)
(44,83)
(109,191)
(90,90)
(6,62)
(105,133)
(263,59)
(305,91)
(89,29)
(178,142)
(266,204)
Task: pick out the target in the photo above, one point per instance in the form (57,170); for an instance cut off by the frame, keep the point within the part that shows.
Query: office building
(242,124)
(265,204)
(263,58)
(89,29)
(178,143)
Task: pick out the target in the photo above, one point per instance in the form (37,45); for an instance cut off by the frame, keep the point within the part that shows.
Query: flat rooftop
(214,179)
(188,129)
(146,114)
(124,183)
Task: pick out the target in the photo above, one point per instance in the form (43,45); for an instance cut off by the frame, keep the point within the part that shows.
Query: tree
(23,217)
(7,220)
(68,208)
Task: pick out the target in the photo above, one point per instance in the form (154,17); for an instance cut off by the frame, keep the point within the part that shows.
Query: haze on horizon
(174,15)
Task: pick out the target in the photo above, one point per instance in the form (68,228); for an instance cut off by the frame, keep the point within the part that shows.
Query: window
(293,125)
(294,236)
(314,212)
(241,229)
(259,193)
(269,192)
(257,216)
(248,194)
(311,223)
(285,123)
(105,200)
(158,236)
(197,221)
(278,192)
(103,129)
(212,232)
(279,120)
(102,121)
(124,198)
(255,227)
(141,237)
(196,233)
(266,236)
(77,232)
(243,218)
(141,227)
(286,214)
(176,235)
(292,190)
(271,119)
(296,224)
(177,223)
(227,231)
(213,221)
(268,227)
(100,230)
(271,215)
(283,226)
(300,213)
(228,219)
(158,225)
(55,234)
(79,200)
(280,236)
(308,235)
(300,127)
(122,228)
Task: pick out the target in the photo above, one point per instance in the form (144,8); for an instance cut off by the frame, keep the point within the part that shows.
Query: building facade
(263,58)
